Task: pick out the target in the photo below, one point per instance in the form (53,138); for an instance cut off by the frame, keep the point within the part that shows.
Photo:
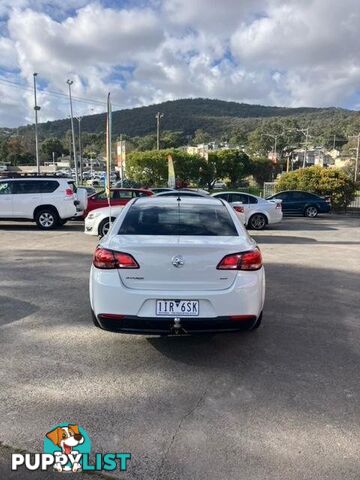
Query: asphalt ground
(279,403)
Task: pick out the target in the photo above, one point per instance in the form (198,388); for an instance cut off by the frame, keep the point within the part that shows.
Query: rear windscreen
(209,220)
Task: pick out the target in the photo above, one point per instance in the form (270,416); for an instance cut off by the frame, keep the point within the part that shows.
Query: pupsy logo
(67,449)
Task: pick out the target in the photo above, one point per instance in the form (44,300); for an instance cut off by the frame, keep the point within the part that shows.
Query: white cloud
(285,52)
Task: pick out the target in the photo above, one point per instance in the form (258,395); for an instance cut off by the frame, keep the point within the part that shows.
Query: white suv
(47,201)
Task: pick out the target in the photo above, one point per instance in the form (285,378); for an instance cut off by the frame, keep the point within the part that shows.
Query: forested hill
(186,115)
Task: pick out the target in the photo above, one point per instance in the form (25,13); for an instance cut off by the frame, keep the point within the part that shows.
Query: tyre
(257,221)
(257,323)
(311,211)
(46,218)
(104,227)
(63,221)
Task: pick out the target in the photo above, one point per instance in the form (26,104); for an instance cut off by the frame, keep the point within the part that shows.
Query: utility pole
(274,137)
(80,154)
(36,109)
(357,158)
(158,116)
(357,155)
(70,82)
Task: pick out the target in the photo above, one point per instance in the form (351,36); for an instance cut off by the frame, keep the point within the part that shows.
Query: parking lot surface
(279,403)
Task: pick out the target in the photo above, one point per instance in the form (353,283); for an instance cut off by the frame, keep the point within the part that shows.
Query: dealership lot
(281,402)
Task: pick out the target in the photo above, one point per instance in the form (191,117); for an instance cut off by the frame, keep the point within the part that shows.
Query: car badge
(178,261)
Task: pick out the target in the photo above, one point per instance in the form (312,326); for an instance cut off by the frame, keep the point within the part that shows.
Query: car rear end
(177,267)
(273,209)
(66,200)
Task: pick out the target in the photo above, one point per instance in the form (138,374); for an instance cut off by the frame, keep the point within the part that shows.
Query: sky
(271,52)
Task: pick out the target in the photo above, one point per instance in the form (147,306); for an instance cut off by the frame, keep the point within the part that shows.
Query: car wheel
(257,323)
(104,227)
(311,211)
(47,218)
(257,221)
(62,221)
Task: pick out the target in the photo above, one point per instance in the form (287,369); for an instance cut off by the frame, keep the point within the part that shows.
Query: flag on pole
(171,172)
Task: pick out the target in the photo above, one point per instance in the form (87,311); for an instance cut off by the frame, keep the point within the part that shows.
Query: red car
(118,196)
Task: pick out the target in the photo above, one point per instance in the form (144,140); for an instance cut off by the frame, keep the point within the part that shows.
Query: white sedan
(258,211)
(170,266)
(98,221)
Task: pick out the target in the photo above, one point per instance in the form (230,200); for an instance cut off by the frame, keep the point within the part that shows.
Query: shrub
(333,182)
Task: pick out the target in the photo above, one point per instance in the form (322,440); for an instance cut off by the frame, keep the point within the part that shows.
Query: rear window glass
(207,220)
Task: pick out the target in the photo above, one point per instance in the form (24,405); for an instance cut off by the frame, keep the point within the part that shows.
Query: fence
(268,189)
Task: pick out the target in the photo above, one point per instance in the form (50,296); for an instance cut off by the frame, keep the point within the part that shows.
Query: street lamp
(158,116)
(70,82)
(80,154)
(36,109)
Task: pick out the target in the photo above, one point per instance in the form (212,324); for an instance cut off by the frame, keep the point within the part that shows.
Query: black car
(296,201)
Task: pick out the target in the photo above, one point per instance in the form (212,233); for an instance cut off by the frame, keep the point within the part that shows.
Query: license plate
(177,308)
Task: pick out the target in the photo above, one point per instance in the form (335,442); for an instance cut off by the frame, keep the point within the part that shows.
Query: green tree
(51,145)
(201,136)
(262,170)
(232,164)
(333,182)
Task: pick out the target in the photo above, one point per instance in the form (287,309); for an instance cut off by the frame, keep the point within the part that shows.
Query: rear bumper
(166,326)
(138,307)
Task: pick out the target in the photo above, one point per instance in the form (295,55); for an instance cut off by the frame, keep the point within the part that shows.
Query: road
(279,403)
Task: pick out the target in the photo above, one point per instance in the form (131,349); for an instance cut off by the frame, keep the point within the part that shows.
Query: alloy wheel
(46,220)
(258,222)
(311,212)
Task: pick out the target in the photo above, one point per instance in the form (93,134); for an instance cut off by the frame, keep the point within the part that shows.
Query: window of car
(49,186)
(239,197)
(127,194)
(224,196)
(21,187)
(301,196)
(141,194)
(281,196)
(252,199)
(5,188)
(206,220)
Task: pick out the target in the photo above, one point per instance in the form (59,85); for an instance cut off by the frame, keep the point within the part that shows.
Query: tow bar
(177,328)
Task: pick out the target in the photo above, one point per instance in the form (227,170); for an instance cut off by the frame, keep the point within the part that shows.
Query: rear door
(6,199)
(27,196)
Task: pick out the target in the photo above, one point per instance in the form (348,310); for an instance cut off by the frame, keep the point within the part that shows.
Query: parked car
(118,196)
(305,203)
(182,193)
(47,201)
(170,267)
(161,189)
(258,211)
(219,185)
(90,191)
(98,221)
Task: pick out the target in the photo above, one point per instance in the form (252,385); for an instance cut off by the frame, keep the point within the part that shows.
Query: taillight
(239,209)
(241,261)
(69,192)
(109,260)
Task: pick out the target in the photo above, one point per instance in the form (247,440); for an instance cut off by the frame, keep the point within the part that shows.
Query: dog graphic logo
(67,439)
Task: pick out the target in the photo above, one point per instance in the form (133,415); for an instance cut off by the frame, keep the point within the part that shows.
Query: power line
(56,93)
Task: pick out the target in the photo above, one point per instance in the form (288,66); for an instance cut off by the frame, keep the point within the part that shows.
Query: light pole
(158,116)
(80,154)
(70,82)
(36,109)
